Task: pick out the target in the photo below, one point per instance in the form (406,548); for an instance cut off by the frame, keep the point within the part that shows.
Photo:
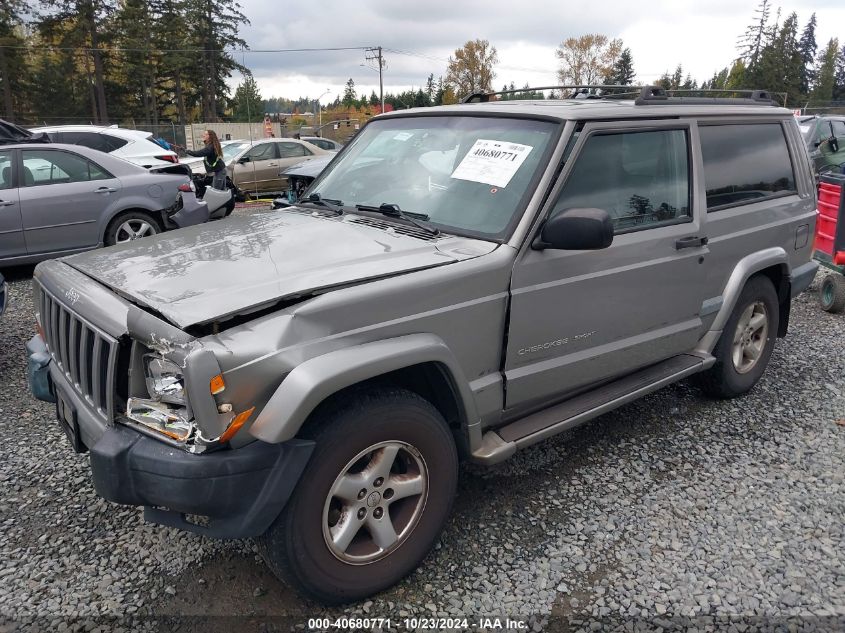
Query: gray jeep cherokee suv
(460,283)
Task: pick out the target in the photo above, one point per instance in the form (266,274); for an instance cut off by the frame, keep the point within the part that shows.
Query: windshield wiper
(393,211)
(327,203)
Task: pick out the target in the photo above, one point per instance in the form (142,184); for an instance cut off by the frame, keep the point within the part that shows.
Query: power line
(118,49)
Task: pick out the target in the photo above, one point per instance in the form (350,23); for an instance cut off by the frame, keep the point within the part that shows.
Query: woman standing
(212,158)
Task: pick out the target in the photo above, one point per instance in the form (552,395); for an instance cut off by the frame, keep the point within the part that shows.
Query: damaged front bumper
(234,493)
(230,493)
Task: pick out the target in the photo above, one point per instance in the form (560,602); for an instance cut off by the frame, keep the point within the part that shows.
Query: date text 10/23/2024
(416,624)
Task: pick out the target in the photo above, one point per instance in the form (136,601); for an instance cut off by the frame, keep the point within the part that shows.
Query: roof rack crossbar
(645,95)
(656,95)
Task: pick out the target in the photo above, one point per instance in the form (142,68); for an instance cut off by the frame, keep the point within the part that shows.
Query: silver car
(60,199)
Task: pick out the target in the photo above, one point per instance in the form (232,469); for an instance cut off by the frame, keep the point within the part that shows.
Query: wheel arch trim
(746,268)
(316,379)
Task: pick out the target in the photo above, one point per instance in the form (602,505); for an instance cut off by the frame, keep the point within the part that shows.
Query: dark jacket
(212,163)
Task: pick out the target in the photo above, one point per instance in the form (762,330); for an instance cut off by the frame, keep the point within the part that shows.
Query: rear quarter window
(114,142)
(745,163)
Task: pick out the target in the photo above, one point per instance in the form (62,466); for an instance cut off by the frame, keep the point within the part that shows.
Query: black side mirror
(834,144)
(243,159)
(576,230)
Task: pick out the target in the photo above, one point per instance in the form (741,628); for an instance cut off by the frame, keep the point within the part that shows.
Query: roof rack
(645,95)
(579,89)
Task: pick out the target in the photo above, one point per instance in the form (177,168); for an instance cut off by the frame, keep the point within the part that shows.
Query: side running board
(500,444)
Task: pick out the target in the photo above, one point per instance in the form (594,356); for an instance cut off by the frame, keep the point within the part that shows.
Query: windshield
(473,174)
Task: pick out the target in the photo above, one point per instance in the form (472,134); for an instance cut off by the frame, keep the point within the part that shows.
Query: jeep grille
(86,355)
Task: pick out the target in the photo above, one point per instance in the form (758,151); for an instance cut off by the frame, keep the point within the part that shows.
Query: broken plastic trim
(158,416)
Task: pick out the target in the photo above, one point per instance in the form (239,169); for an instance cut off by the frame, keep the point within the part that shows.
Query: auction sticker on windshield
(492,162)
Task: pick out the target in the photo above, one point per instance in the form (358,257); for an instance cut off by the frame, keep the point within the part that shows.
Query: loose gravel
(672,513)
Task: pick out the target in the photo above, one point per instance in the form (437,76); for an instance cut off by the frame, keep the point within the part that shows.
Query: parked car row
(133,145)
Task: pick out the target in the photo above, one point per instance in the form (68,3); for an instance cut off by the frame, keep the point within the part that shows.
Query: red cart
(829,246)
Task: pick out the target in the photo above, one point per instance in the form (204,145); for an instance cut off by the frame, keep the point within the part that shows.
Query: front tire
(746,344)
(130,226)
(372,501)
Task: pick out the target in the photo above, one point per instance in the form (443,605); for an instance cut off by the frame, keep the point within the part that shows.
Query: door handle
(105,190)
(3,203)
(693,241)
(273,165)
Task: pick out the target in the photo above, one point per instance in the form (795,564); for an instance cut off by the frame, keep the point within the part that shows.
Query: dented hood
(212,271)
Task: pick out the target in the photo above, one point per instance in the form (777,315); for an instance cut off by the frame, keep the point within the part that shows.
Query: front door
(62,197)
(11,231)
(582,317)
(258,169)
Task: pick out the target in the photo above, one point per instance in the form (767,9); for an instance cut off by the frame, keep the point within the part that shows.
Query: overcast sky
(419,37)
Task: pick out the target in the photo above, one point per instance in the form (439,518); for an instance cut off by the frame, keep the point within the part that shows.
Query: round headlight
(164,380)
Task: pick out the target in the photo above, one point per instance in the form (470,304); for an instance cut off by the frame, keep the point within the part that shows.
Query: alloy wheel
(375,502)
(750,337)
(134,229)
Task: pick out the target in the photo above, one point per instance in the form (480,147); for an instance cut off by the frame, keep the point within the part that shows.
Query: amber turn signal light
(217,384)
(235,425)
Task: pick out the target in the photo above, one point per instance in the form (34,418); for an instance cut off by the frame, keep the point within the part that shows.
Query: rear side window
(292,150)
(838,128)
(745,163)
(113,142)
(93,140)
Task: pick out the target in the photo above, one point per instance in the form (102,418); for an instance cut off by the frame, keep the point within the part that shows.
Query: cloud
(419,37)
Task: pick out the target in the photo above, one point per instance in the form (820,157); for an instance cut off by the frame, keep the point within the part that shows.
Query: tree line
(100,61)
(155,61)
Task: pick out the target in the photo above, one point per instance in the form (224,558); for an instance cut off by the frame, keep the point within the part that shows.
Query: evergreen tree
(137,76)
(178,93)
(824,90)
(622,73)
(86,22)
(247,105)
(430,88)
(12,59)
(839,77)
(736,77)
(782,62)
(751,43)
(349,96)
(807,47)
(215,26)
(439,91)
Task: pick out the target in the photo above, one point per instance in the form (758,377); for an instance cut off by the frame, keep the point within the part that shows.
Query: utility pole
(374,54)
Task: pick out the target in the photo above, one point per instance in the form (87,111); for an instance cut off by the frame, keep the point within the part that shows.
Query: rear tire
(130,226)
(832,293)
(746,344)
(372,501)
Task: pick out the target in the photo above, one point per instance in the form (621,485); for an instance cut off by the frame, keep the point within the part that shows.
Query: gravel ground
(673,513)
